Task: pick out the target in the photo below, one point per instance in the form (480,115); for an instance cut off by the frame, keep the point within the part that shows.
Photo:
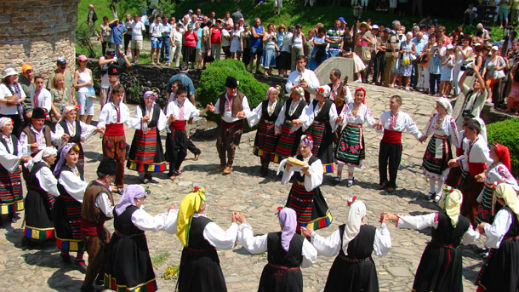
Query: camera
(467,65)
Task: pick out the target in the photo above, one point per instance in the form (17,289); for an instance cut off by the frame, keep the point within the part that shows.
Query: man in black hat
(36,135)
(113,78)
(233,108)
(97,207)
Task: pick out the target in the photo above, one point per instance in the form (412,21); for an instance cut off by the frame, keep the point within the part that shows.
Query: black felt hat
(231,82)
(107,166)
(38,113)
(114,71)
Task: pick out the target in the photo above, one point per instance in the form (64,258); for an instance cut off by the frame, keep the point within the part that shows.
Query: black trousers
(392,153)
(378,67)
(127,39)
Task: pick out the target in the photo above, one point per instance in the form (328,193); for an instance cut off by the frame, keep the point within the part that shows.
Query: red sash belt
(90,228)
(476,168)
(178,125)
(114,130)
(284,268)
(392,137)
(515,238)
(237,124)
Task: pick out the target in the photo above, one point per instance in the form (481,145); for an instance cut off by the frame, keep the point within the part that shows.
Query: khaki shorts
(136,45)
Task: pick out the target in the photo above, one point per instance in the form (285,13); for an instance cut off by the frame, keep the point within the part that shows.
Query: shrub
(506,133)
(212,83)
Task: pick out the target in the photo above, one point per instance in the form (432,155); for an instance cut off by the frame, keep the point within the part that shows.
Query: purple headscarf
(288,219)
(307,140)
(62,158)
(130,193)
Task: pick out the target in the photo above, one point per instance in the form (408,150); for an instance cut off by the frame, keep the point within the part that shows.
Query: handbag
(91,92)
(498,74)
(405,60)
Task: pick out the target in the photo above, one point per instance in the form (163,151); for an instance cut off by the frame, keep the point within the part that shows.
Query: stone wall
(37,32)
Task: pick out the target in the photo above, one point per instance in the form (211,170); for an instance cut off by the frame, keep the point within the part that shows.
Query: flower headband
(351,200)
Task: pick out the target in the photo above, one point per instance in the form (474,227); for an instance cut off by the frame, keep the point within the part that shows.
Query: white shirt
(87,131)
(137,123)
(225,35)
(5,92)
(137,30)
(108,114)
(227,115)
(296,77)
(257,113)
(312,181)
(312,113)
(447,127)
(258,244)
(358,117)
(496,232)
(163,221)
(44,99)
(331,245)
(73,184)
(177,36)
(403,123)
(40,139)
(7,159)
(47,180)
(293,106)
(499,172)
(478,152)
(156,30)
(189,110)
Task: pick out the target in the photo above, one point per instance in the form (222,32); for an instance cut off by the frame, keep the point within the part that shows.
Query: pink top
(190,38)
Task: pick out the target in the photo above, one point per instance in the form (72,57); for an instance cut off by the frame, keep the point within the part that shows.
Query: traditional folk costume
(42,192)
(98,204)
(305,196)
(113,117)
(498,172)
(290,133)
(78,132)
(391,144)
(353,243)
(350,149)
(178,142)
(128,265)
(146,155)
(266,113)
(30,135)
(440,267)
(472,162)
(500,271)
(295,78)
(11,191)
(230,128)
(287,253)
(438,151)
(67,208)
(199,264)
(321,126)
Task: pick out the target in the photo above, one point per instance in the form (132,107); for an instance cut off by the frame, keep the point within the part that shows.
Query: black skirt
(440,269)
(275,279)
(200,271)
(501,270)
(283,61)
(349,275)
(189,53)
(38,216)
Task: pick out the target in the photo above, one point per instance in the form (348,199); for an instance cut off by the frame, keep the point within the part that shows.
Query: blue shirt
(186,82)
(281,36)
(257,42)
(436,62)
(419,45)
(199,43)
(117,33)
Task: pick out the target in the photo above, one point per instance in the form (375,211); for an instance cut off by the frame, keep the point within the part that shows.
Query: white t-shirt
(5,92)
(137,29)
(225,35)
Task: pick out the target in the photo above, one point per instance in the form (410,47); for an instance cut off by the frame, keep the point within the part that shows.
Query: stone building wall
(37,32)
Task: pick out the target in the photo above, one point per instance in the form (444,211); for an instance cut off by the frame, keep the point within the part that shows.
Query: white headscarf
(44,153)
(446,104)
(356,213)
(4,121)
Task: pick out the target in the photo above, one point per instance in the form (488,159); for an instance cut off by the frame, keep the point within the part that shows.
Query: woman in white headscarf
(11,155)
(500,272)
(352,244)
(442,127)
(440,267)
(43,190)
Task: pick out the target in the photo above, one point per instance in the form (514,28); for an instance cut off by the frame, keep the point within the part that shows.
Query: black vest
(265,112)
(361,246)
(324,114)
(154,116)
(514,228)
(123,222)
(297,112)
(77,137)
(297,175)
(15,149)
(446,234)
(278,256)
(196,233)
(33,183)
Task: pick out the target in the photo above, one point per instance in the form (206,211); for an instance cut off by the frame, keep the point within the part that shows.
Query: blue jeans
(165,49)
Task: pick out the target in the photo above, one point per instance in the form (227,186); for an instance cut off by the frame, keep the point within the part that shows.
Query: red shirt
(190,38)
(216,36)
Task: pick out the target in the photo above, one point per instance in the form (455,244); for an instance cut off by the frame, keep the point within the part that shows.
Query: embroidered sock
(339,170)
(432,185)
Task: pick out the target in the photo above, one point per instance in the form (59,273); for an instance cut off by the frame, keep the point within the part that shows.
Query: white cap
(450,47)
(9,72)
(495,48)
(374,26)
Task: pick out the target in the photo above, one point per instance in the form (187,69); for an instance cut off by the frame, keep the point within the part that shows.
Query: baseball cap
(374,26)
(342,19)
(61,61)
(26,67)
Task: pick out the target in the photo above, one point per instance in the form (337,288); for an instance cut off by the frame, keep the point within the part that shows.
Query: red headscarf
(361,89)
(504,155)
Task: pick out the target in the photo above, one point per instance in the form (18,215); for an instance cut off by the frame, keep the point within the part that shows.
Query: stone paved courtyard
(41,269)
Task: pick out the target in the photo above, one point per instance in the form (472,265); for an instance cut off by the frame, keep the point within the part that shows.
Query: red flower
(196,188)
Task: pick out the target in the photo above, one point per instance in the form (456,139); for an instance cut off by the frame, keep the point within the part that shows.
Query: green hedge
(506,133)
(212,83)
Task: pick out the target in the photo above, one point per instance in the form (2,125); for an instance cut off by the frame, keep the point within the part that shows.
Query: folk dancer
(146,155)
(303,78)
(442,128)
(71,130)
(305,196)
(289,124)
(321,124)
(67,208)
(233,107)
(12,154)
(127,262)
(265,142)
(350,149)
(440,267)
(352,244)
(287,251)
(500,271)
(37,135)
(394,122)
(472,162)
(200,237)
(98,205)
(111,122)
(178,112)
(500,171)
(42,192)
